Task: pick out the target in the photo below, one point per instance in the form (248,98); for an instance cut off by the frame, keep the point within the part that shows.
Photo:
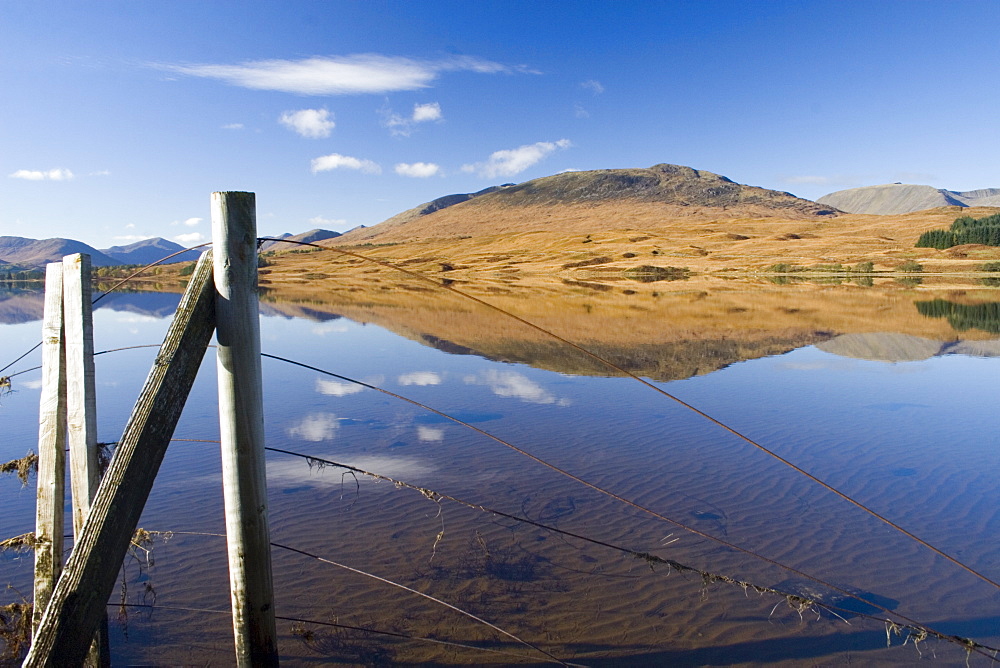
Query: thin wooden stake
(81,595)
(241,420)
(50,513)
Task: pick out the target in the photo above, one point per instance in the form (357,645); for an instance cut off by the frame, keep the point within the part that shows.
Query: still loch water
(887,393)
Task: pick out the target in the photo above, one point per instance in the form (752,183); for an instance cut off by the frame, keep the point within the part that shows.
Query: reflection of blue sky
(510,384)
(420,378)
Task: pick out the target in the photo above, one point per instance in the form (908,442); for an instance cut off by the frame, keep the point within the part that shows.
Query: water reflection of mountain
(21,306)
(895,347)
(152,304)
(647,330)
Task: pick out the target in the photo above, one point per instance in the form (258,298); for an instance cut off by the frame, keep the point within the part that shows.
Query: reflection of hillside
(655,330)
(20,306)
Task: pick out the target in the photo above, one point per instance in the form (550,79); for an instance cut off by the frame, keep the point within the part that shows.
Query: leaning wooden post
(81,596)
(241,424)
(50,512)
(81,408)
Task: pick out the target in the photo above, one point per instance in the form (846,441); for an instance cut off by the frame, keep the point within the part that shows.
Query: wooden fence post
(51,494)
(81,595)
(241,422)
(80,385)
(81,407)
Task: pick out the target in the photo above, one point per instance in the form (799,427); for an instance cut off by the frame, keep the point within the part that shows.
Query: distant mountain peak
(898,198)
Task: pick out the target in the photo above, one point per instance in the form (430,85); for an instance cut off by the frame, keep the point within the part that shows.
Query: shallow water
(889,402)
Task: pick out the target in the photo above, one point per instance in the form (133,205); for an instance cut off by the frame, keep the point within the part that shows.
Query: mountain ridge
(899,198)
(665,189)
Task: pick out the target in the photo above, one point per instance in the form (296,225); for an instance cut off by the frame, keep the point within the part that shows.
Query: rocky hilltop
(595,200)
(897,198)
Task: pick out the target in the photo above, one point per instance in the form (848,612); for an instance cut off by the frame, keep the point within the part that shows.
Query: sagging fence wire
(918,627)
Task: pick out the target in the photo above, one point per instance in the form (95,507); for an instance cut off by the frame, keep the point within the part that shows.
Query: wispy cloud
(417,170)
(102,172)
(809,179)
(402,126)
(190,238)
(132,237)
(233,126)
(593,85)
(320,221)
(326,163)
(58,174)
(189,222)
(514,161)
(310,123)
(366,73)
(420,378)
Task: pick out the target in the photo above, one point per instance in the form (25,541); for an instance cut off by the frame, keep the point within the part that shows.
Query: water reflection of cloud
(298,471)
(315,427)
(420,378)
(515,385)
(335,388)
(332,327)
(430,434)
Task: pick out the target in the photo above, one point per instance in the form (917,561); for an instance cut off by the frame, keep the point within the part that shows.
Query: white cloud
(58,174)
(191,222)
(400,126)
(31,384)
(233,126)
(315,427)
(132,237)
(320,221)
(190,238)
(580,112)
(514,385)
(420,378)
(130,226)
(426,112)
(514,161)
(336,161)
(812,180)
(430,434)
(334,388)
(593,85)
(311,123)
(417,170)
(103,172)
(329,327)
(364,73)
(296,472)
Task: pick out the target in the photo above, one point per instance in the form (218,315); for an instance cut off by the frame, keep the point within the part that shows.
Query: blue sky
(120,118)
